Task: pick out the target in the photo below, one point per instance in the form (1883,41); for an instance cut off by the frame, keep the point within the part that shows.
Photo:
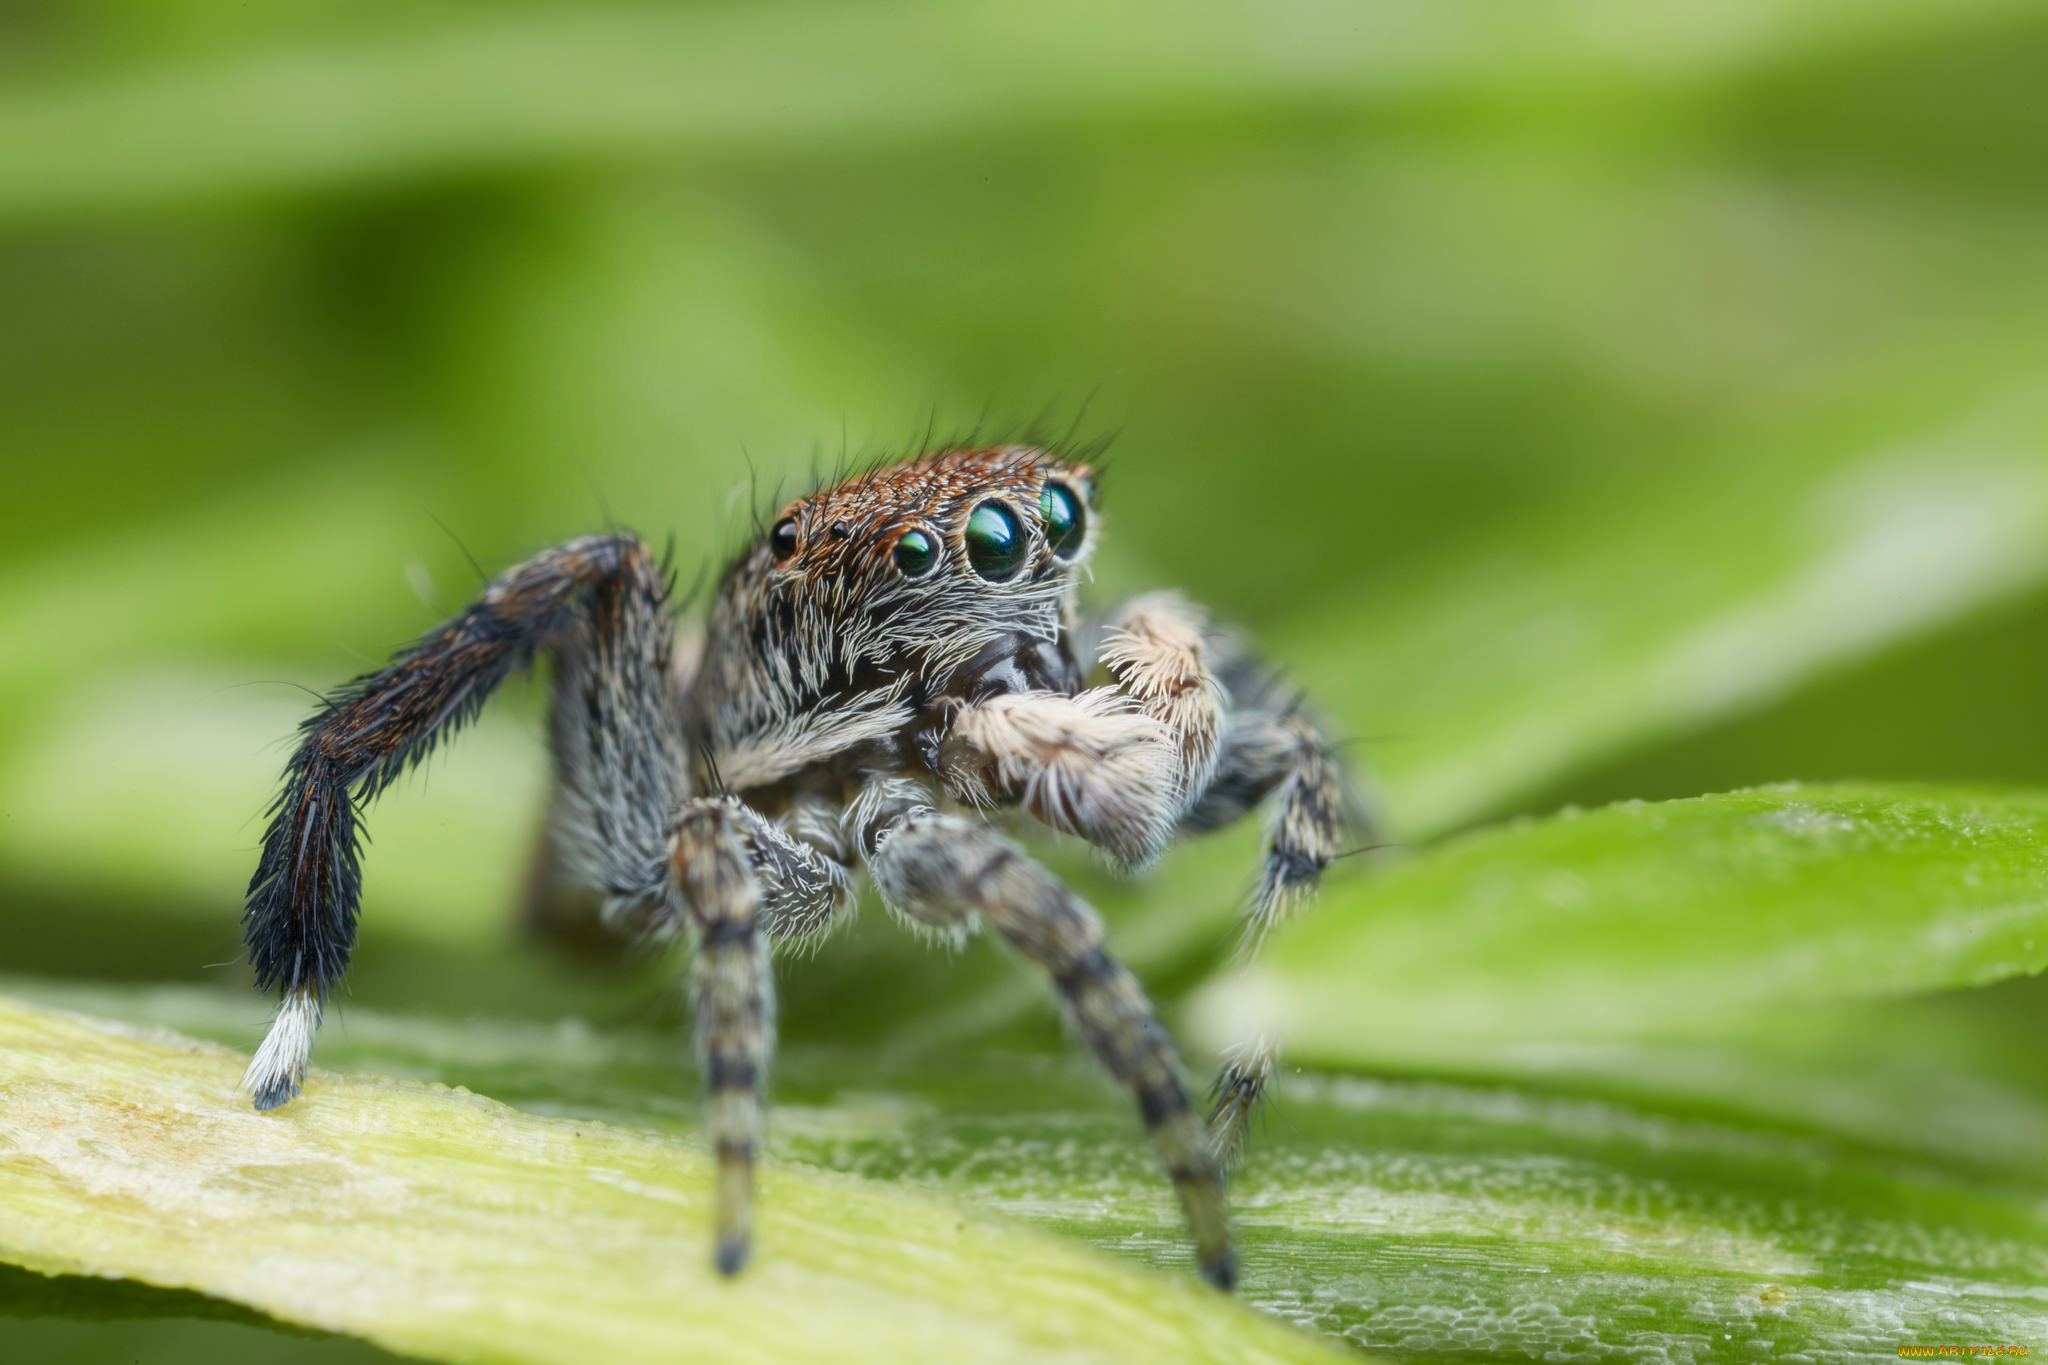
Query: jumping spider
(898,658)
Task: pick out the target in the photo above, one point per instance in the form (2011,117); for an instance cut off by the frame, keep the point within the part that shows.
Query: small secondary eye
(782,540)
(1066,521)
(995,541)
(916,551)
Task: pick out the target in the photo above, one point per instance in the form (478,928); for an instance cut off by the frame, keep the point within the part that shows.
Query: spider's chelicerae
(899,659)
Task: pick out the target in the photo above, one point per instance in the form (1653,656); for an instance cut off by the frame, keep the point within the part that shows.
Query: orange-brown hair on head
(853,525)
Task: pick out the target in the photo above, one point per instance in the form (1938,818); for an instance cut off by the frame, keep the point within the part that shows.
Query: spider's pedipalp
(1092,765)
(944,870)
(1154,648)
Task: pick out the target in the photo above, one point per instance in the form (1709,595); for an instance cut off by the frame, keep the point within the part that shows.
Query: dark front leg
(300,923)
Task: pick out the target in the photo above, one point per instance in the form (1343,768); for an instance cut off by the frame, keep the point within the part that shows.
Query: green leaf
(1807,1187)
(442,1224)
(1656,919)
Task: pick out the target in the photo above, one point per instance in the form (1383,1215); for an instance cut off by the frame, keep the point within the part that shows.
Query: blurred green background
(1391,310)
(1584,400)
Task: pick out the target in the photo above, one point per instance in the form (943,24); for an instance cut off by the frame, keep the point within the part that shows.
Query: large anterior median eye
(782,540)
(995,541)
(1066,520)
(916,552)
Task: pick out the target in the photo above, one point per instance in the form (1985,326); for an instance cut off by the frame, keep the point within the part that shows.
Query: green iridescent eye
(995,541)
(1066,520)
(916,551)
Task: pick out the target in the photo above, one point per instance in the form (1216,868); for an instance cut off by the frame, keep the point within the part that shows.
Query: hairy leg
(802,861)
(1283,759)
(1268,752)
(573,896)
(803,867)
(945,871)
(300,923)
(742,881)
(733,997)
(1160,650)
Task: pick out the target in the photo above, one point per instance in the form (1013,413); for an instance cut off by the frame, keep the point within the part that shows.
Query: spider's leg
(805,867)
(610,740)
(945,871)
(1283,759)
(1239,743)
(300,924)
(1236,1094)
(1277,755)
(743,881)
(733,997)
(1154,646)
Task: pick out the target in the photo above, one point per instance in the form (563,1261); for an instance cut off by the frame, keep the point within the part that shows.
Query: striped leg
(1162,653)
(1309,821)
(1263,755)
(618,766)
(733,995)
(945,871)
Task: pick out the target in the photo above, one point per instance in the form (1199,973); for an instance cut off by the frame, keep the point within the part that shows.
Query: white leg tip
(279,1066)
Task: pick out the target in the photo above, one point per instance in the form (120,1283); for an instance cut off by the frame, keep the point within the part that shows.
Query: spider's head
(988,526)
(922,557)
(892,581)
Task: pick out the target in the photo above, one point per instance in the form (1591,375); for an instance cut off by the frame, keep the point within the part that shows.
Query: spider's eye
(995,541)
(782,540)
(916,551)
(1066,521)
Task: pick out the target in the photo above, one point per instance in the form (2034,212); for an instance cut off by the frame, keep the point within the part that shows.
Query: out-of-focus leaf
(1496,667)
(1781,1187)
(88,1318)
(540,84)
(219,578)
(219,741)
(1656,919)
(445,1225)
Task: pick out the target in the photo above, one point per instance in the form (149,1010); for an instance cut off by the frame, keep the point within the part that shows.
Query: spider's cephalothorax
(896,662)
